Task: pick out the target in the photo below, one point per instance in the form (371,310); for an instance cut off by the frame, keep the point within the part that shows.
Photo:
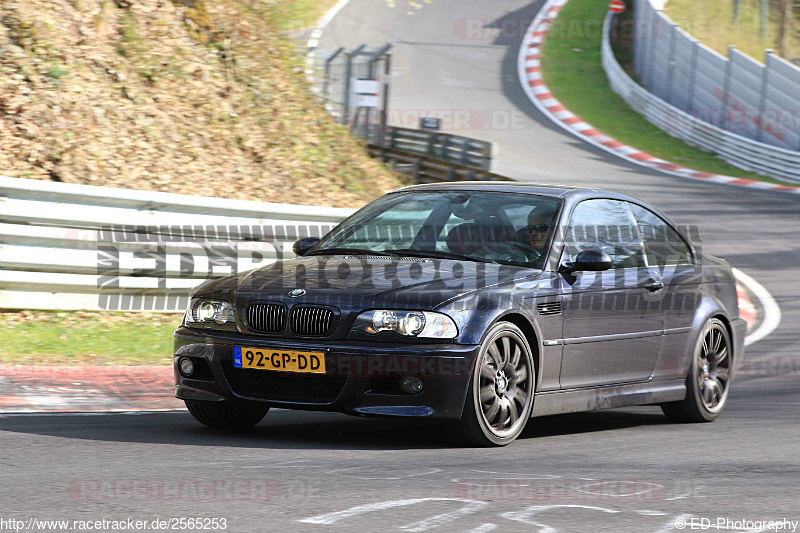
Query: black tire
(709,365)
(227,415)
(513,393)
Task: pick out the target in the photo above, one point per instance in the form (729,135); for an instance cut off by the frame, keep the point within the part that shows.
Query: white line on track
(316,34)
(105,412)
(771,310)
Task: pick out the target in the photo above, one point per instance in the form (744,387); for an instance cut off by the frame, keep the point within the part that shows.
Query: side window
(663,245)
(605,225)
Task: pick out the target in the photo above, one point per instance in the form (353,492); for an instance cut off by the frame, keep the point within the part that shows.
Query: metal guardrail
(451,148)
(82,247)
(67,246)
(738,150)
(430,170)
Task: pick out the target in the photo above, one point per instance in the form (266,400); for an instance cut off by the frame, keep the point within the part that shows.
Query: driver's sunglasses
(538,228)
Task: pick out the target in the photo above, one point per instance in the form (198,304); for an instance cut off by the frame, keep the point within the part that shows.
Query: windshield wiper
(350,251)
(439,254)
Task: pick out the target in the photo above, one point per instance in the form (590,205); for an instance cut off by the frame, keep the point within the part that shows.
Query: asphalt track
(620,470)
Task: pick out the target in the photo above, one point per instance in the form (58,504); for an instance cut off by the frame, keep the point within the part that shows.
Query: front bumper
(361,378)
(739,329)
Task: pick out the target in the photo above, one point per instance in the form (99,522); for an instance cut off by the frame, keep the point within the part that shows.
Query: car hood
(350,283)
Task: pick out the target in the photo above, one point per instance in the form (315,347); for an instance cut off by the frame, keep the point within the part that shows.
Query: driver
(540,220)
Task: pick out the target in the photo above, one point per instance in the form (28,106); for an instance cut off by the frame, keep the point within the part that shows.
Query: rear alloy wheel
(227,415)
(709,379)
(502,385)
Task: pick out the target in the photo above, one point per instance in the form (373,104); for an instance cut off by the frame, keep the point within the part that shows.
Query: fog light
(410,384)
(186,366)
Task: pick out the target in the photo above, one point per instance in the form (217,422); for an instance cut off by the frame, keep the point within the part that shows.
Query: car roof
(557,191)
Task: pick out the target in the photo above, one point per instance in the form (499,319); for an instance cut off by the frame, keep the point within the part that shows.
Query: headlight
(421,324)
(203,312)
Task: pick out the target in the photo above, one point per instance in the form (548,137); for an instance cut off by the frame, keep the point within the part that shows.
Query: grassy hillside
(712,22)
(190,96)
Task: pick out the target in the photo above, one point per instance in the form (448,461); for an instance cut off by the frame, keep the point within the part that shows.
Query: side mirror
(302,246)
(588,261)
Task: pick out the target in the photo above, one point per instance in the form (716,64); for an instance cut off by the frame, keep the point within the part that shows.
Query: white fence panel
(754,100)
(701,126)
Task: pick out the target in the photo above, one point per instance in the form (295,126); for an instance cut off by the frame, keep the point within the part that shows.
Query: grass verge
(86,338)
(573,70)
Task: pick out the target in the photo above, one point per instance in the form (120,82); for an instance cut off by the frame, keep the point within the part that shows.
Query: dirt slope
(188,96)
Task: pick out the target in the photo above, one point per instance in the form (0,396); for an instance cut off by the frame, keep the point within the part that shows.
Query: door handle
(653,285)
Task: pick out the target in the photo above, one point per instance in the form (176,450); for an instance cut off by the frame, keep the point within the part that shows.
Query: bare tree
(787,21)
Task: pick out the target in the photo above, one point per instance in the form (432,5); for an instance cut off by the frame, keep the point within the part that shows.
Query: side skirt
(607,397)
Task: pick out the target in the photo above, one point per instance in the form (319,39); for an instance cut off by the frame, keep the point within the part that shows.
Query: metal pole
(724,122)
(348,74)
(386,84)
(652,52)
(371,75)
(643,40)
(368,111)
(692,77)
(671,63)
(348,70)
(328,70)
(762,98)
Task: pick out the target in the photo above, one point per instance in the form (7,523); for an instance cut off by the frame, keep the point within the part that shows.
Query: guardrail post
(724,120)
(443,150)
(465,152)
(692,76)
(432,138)
(762,97)
(417,169)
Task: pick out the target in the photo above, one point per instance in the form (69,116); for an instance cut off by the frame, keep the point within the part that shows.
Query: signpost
(430,123)
(365,92)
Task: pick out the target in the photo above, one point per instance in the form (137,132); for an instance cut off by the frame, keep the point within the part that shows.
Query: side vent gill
(549,308)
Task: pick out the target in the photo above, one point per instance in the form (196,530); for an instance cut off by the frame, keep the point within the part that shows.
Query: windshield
(507,228)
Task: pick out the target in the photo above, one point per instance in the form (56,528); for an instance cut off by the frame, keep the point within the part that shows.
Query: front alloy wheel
(501,390)
(709,379)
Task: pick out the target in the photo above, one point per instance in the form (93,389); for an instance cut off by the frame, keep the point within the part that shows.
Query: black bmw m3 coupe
(482,304)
